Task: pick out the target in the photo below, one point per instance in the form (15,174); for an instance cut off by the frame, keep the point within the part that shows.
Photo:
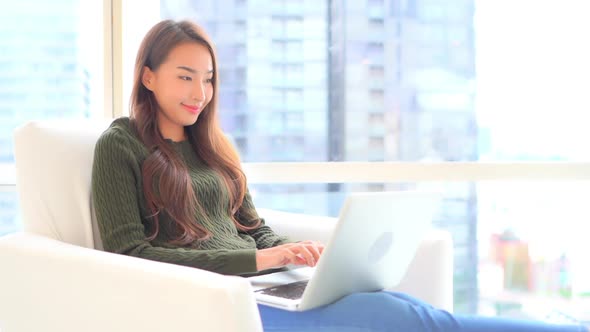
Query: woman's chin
(191,120)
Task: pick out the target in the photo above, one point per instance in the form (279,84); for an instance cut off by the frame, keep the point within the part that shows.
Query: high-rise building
(273,67)
(8,208)
(41,75)
(336,80)
(302,80)
(402,88)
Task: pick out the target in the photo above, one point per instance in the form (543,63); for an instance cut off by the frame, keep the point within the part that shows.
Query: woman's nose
(199,92)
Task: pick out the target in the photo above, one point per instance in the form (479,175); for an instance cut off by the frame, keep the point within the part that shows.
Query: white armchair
(55,278)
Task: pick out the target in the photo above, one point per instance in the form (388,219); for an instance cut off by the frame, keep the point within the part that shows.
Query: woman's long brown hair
(166,182)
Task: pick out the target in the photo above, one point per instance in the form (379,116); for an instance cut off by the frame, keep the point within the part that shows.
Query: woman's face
(182,86)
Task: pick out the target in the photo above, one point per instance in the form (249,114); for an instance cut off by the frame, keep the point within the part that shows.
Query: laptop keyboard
(291,291)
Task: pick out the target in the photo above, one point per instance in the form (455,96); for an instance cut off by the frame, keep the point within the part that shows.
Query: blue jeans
(388,311)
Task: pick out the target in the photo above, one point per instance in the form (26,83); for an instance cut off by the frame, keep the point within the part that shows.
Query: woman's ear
(148,78)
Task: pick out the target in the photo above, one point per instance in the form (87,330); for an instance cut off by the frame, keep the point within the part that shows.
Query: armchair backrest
(53,174)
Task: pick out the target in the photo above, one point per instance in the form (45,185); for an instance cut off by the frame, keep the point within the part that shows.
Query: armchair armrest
(48,285)
(429,277)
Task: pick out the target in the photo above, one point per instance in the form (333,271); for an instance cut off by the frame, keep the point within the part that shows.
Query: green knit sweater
(121,209)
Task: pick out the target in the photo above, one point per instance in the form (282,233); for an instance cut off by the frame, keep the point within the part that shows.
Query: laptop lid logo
(380,247)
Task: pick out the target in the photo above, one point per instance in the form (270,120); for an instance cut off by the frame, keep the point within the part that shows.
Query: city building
(370,80)
(41,75)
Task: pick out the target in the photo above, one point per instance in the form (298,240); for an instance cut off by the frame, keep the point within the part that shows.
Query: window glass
(51,67)
(409,80)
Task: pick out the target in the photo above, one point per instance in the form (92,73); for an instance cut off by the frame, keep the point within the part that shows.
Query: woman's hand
(299,253)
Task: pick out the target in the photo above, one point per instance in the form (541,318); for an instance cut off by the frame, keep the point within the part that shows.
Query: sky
(533,76)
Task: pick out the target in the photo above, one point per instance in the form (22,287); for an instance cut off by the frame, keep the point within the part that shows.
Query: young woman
(167,186)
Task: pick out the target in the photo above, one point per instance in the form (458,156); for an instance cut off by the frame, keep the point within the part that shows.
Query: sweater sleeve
(264,236)
(116,186)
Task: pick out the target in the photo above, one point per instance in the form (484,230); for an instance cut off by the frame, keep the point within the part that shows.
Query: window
(294,7)
(375,9)
(52,67)
(376,142)
(406,91)
(375,53)
(240,30)
(377,98)
(376,74)
(376,118)
(294,47)
(431,11)
(287,27)
(292,96)
(376,24)
(293,121)
(241,124)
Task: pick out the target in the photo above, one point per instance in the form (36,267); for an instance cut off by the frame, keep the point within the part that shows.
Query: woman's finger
(305,253)
(314,250)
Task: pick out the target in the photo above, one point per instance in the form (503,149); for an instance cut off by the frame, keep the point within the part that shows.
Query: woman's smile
(193,109)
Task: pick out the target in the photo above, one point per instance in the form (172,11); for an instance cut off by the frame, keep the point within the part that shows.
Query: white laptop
(373,243)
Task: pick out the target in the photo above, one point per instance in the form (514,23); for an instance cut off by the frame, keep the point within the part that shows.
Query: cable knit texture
(121,209)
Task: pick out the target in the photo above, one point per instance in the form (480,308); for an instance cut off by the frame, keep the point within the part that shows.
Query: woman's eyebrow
(192,70)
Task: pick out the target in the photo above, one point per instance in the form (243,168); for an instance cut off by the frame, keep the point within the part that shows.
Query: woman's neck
(170,130)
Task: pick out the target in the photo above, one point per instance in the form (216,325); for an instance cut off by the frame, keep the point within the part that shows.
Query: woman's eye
(209,80)
(186,78)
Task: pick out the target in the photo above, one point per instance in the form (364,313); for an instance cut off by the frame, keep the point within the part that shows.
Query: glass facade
(50,67)
(367,80)
(8,212)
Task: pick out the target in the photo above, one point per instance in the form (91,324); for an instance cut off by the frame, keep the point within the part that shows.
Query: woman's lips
(192,109)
